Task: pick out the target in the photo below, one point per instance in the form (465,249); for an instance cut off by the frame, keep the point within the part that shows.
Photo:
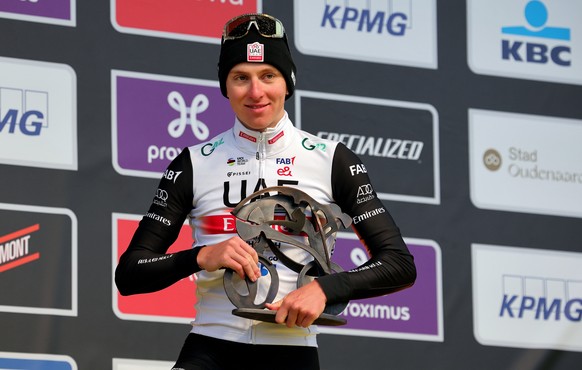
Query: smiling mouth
(256,106)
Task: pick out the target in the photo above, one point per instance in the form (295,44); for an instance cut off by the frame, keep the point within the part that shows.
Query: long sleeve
(146,266)
(391,266)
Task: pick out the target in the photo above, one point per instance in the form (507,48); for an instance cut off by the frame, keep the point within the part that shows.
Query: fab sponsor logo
(406,147)
(174,304)
(38,260)
(527,298)
(400,32)
(59,12)
(200,20)
(154,117)
(525,163)
(415,313)
(529,39)
(38,114)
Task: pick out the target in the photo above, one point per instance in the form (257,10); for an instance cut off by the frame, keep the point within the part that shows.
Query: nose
(255,88)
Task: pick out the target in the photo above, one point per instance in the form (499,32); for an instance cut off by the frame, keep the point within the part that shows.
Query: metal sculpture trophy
(257,221)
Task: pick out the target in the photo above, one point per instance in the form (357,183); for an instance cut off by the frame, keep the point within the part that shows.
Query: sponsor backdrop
(467,114)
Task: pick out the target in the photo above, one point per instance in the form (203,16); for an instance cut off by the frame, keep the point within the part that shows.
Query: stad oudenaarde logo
(534,39)
(515,163)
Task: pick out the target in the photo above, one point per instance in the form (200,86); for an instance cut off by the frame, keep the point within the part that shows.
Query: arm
(391,266)
(145,267)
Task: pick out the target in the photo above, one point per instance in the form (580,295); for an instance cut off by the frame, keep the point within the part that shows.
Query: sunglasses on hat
(266,25)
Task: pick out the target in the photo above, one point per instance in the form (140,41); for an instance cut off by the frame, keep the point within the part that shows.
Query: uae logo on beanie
(255,52)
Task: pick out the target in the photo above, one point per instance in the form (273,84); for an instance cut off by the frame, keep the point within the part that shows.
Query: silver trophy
(257,222)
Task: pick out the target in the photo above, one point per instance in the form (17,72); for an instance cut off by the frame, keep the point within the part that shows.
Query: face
(256,92)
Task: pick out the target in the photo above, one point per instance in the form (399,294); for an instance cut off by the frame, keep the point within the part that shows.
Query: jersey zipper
(261,154)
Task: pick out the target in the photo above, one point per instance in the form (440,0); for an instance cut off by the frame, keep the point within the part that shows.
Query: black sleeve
(391,266)
(145,267)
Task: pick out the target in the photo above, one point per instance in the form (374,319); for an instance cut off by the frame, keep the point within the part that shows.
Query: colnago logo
(23,112)
(533,39)
(529,298)
(539,298)
(552,44)
(378,146)
(15,248)
(385,31)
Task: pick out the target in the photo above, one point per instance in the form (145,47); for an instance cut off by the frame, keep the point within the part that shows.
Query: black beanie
(275,51)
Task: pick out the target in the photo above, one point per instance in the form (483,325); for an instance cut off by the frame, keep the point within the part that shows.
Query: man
(257,74)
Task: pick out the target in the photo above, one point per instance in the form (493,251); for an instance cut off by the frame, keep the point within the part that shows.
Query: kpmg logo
(515,163)
(411,149)
(387,31)
(59,12)
(169,114)
(528,298)
(531,39)
(540,298)
(23,111)
(200,20)
(38,114)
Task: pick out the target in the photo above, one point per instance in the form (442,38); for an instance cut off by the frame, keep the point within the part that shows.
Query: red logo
(14,248)
(200,20)
(175,303)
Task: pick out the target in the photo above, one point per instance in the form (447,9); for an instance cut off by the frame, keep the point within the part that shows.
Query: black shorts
(205,353)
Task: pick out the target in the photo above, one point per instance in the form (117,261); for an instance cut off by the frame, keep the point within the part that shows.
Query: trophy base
(269,316)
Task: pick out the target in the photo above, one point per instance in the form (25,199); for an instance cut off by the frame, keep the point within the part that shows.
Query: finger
(273,306)
(245,266)
(291,320)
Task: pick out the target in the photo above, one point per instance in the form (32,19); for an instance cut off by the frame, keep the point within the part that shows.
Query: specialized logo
(378,146)
(178,113)
(200,20)
(410,152)
(527,298)
(58,12)
(532,39)
(414,313)
(515,166)
(38,118)
(34,259)
(15,248)
(385,31)
(173,304)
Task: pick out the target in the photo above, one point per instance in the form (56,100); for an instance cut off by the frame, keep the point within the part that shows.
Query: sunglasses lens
(266,25)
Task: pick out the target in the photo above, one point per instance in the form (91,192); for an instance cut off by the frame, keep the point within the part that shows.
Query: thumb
(274,306)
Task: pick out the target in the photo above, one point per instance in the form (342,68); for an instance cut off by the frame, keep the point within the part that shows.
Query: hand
(301,307)
(233,253)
